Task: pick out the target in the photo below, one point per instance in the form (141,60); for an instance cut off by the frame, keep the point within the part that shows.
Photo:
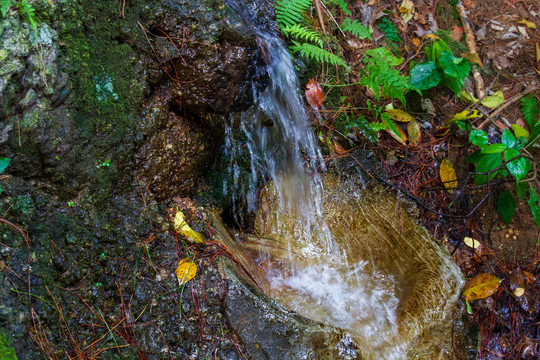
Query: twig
(471,43)
(319,14)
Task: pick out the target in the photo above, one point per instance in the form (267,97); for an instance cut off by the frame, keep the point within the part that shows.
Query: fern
(380,75)
(4,6)
(302,32)
(357,29)
(290,12)
(26,9)
(313,52)
(529,108)
(341,3)
(389,29)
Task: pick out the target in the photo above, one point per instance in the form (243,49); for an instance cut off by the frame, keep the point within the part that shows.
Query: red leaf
(314,94)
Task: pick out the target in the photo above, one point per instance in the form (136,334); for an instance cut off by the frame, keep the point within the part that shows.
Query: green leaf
(464,125)
(475,157)
(478,138)
(508,139)
(521,190)
(534,203)
(425,75)
(457,68)
(494,100)
(4,6)
(506,206)
(385,55)
(389,29)
(487,163)
(493,149)
(435,51)
(4,162)
(519,167)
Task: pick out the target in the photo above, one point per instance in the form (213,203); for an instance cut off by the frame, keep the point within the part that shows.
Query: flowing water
(312,248)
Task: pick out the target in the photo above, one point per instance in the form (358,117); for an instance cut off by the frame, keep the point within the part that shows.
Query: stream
(328,246)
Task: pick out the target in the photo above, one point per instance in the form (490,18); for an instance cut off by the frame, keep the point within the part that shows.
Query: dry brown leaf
(185,271)
(448,175)
(413,129)
(530,277)
(399,115)
(538,58)
(417,42)
(474,58)
(481,286)
(314,94)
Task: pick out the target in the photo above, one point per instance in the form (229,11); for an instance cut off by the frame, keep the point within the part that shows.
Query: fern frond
(341,3)
(303,33)
(357,29)
(290,12)
(4,6)
(529,108)
(313,52)
(389,29)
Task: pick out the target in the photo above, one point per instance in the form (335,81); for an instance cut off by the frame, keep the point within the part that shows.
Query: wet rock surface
(100,117)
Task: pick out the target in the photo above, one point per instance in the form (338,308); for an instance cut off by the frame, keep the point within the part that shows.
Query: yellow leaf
(481,286)
(417,42)
(474,59)
(400,136)
(468,97)
(494,100)
(413,129)
(185,230)
(448,175)
(406,10)
(399,115)
(519,291)
(185,271)
(528,24)
(431,36)
(520,132)
(464,115)
(470,242)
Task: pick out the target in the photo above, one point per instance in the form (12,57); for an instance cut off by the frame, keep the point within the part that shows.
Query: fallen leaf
(399,115)
(470,242)
(417,42)
(400,136)
(464,115)
(520,132)
(431,36)
(519,291)
(528,24)
(314,94)
(406,11)
(448,175)
(474,58)
(530,277)
(494,100)
(468,97)
(185,230)
(538,58)
(481,286)
(457,32)
(413,129)
(185,271)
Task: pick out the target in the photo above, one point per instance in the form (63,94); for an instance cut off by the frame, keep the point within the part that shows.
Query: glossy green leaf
(534,203)
(457,68)
(425,75)
(519,167)
(478,138)
(508,139)
(4,162)
(506,206)
(487,163)
(493,149)
(464,125)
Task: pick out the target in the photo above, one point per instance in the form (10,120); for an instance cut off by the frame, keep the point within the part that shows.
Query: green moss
(7,352)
